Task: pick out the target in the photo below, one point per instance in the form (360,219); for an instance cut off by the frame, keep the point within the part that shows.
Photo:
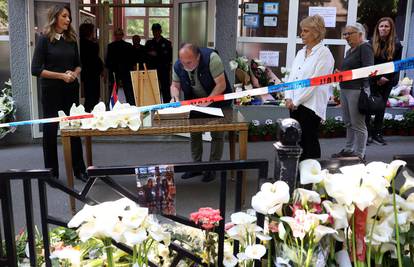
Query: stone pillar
(226,32)
(19,69)
(288,152)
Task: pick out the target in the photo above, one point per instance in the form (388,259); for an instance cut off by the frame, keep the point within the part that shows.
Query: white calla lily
(409,182)
(311,172)
(255,251)
(338,213)
(242,218)
(322,230)
(229,260)
(281,231)
(271,197)
(135,236)
(308,196)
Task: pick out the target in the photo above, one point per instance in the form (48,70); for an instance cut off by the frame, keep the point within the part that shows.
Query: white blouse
(319,62)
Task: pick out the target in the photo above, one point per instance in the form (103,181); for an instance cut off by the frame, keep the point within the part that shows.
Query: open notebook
(189,111)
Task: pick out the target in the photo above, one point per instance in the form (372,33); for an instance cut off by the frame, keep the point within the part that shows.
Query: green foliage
(4,15)
(370,11)
(409,119)
(332,125)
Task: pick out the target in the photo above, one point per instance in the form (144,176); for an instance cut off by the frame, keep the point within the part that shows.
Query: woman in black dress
(386,48)
(56,63)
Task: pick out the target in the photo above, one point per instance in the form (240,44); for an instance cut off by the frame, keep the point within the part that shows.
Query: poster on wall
(269,21)
(156,188)
(271,8)
(251,21)
(251,8)
(269,58)
(327,13)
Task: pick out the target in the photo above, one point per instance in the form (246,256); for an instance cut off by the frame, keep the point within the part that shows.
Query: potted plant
(409,119)
(254,131)
(388,124)
(269,130)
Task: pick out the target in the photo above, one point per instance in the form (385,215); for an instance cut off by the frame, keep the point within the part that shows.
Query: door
(38,18)
(194,22)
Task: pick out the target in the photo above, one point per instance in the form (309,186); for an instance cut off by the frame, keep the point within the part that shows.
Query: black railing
(103,174)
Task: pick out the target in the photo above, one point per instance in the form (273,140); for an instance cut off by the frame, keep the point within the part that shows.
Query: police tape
(344,76)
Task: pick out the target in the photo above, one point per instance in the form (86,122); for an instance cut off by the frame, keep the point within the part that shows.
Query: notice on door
(269,58)
(327,13)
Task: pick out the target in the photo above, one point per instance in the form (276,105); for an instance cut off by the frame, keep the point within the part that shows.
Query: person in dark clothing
(198,73)
(92,66)
(159,57)
(119,63)
(56,62)
(386,48)
(139,49)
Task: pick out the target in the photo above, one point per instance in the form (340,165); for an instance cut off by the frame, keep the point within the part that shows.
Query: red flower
(207,217)
(317,208)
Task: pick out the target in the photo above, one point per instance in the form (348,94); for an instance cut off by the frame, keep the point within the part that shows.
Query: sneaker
(208,176)
(379,140)
(343,154)
(369,140)
(362,159)
(188,175)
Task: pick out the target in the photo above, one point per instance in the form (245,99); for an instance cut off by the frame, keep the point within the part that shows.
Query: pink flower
(207,217)
(228,226)
(273,227)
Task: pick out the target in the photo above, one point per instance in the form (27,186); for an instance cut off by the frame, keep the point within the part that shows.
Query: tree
(4,17)
(370,11)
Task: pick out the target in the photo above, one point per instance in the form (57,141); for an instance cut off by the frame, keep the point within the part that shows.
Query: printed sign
(270,8)
(156,188)
(327,13)
(251,21)
(251,8)
(269,21)
(269,58)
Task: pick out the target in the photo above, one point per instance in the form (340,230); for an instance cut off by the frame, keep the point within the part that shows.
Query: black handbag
(369,104)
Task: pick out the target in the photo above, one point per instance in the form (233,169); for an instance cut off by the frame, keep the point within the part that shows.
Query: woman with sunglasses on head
(386,48)
(359,55)
(56,63)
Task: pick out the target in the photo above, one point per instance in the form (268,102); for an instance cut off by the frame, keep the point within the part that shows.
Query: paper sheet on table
(184,109)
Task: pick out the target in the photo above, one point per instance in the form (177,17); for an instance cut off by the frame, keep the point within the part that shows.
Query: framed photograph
(271,8)
(251,8)
(156,188)
(251,21)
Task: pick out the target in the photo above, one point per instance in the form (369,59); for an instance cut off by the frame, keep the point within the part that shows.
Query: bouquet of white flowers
(7,109)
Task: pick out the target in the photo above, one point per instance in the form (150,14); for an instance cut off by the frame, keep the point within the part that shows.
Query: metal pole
(9,232)
(288,152)
(31,237)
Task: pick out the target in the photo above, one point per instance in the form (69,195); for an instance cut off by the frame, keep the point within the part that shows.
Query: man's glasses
(345,34)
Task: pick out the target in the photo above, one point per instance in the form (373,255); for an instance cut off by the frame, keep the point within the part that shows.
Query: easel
(145,86)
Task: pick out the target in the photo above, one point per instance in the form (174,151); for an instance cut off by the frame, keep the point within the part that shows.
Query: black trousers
(55,97)
(375,128)
(123,78)
(164,82)
(91,85)
(309,122)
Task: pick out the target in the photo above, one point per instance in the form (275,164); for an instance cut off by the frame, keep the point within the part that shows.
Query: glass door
(38,18)
(194,22)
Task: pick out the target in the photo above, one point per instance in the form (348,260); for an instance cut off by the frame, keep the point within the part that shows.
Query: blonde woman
(359,55)
(56,63)
(308,105)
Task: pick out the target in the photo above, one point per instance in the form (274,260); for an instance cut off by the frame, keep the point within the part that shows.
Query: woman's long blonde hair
(50,28)
(389,41)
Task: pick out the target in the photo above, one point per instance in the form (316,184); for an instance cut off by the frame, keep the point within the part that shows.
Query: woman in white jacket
(308,105)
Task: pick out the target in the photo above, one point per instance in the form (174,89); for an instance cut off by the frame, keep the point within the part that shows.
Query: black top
(120,57)
(163,48)
(383,58)
(89,55)
(361,56)
(140,55)
(58,56)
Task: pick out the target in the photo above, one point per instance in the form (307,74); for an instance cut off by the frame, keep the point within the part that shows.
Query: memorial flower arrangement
(359,207)
(122,221)
(122,115)
(208,219)
(7,108)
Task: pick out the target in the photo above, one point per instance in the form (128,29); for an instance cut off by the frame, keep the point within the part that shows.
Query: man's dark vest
(204,76)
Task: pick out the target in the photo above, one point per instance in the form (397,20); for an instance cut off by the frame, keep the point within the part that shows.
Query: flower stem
(109,252)
(397,226)
(309,254)
(354,242)
(370,236)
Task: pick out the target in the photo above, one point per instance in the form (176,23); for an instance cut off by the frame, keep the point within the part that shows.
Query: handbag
(369,103)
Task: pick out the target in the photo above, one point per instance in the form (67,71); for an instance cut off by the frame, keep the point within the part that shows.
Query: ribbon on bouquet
(370,71)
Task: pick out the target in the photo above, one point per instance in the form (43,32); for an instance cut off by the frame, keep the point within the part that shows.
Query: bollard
(288,152)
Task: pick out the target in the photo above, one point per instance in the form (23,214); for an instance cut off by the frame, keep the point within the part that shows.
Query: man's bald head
(189,55)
